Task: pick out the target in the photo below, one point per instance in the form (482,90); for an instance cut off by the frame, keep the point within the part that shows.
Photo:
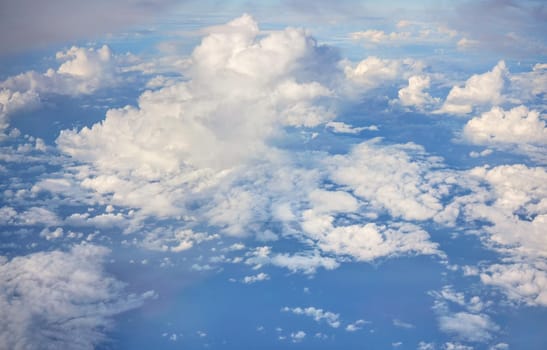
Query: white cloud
(479,90)
(298,336)
(467,326)
(303,262)
(396,178)
(256,278)
(82,71)
(515,126)
(355,326)
(520,282)
(373,72)
(306,263)
(197,136)
(30,217)
(414,95)
(370,241)
(515,205)
(13,101)
(343,128)
(318,315)
(48,297)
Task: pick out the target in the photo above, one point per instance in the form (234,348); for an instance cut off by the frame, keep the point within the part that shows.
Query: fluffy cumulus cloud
(414,94)
(479,90)
(243,89)
(82,71)
(373,72)
(514,126)
(62,299)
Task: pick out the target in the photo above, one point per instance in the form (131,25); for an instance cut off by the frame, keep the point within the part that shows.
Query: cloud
(479,90)
(302,262)
(467,326)
(82,71)
(520,282)
(395,178)
(256,278)
(49,297)
(515,126)
(298,336)
(13,101)
(370,241)
(373,72)
(343,128)
(355,326)
(318,315)
(515,206)
(34,216)
(32,25)
(414,95)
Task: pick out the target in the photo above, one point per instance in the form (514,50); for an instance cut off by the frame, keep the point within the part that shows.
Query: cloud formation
(62,299)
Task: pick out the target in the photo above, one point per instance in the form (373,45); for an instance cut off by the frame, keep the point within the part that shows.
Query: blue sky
(271,175)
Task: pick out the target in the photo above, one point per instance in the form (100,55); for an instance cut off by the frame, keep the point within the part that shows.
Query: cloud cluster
(82,71)
(514,126)
(318,315)
(479,90)
(62,299)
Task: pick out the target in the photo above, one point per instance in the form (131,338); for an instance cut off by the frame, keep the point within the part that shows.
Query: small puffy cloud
(318,315)
(479,90)
(298,336)
(413,95)
(373,72)
(467,326)
(48,297)
(256,278)
(355,326)
(515,126)
(304,262)
(343,128)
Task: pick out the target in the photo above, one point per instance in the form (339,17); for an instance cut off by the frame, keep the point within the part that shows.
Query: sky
(273,175)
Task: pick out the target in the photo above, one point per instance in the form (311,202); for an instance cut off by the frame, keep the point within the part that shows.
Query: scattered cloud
(469,327)
(318,315)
